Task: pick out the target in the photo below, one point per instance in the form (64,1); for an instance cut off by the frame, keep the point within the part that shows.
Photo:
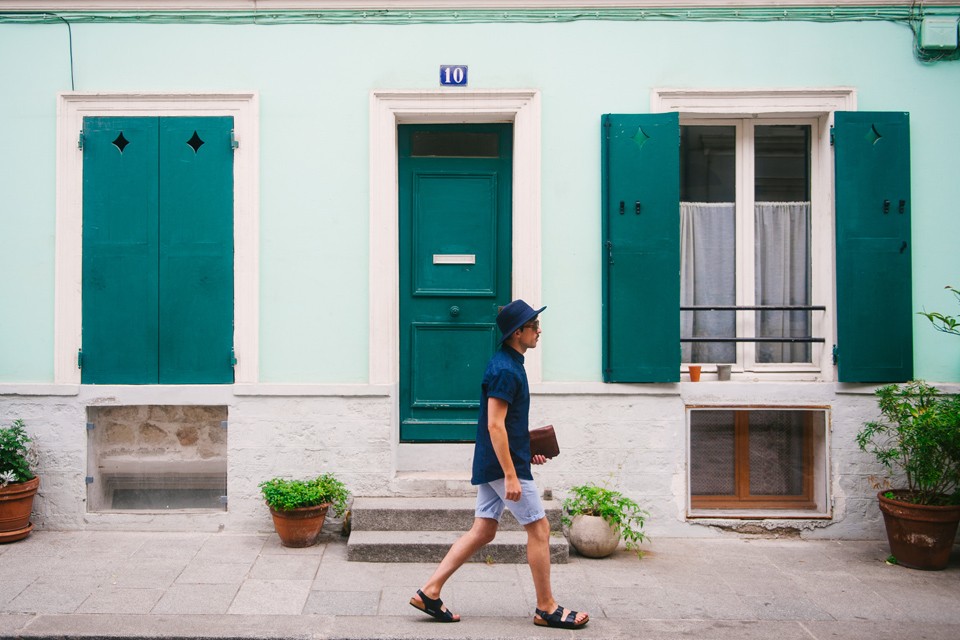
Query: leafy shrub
(620,512)
(16,456)
(918,434)
(283,494)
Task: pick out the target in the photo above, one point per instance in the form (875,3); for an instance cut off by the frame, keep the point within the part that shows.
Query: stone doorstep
(509,547)
(430,514)
(395,529)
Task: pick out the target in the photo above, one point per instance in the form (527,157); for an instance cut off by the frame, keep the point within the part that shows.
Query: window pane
(454,144)
(708,240)
(712,447)
(157,458)
(777,445)
(782,236)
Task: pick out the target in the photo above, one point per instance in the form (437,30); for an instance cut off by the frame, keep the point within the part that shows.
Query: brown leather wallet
(543,441)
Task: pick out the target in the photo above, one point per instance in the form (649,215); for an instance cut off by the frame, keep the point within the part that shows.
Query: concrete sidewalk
(220,585)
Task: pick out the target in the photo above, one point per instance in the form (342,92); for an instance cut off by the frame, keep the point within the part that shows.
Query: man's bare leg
(484,530)
(538,557)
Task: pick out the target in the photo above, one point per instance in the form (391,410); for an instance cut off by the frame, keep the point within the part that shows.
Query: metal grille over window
(756,460)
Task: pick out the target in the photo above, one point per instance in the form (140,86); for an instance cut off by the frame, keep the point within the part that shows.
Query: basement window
(156,458)
(758,462)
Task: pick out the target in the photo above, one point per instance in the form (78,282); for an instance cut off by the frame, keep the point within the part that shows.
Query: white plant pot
(592,537)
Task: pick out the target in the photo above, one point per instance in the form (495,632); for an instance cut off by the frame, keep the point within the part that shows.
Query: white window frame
(821,470)
(71,109)
(815,106)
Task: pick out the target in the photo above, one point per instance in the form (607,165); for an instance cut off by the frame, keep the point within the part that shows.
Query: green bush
(283,494)
(620,512)
(16,456)
(918,434)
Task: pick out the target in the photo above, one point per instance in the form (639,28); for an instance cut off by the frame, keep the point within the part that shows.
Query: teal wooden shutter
(874,298)
(120,245)
(196,250)
(641,247)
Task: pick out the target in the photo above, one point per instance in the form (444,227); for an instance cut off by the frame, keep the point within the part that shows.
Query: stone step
(509,547)
(430,514)
(432,483)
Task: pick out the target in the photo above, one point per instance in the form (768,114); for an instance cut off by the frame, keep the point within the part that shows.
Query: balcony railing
(780,307)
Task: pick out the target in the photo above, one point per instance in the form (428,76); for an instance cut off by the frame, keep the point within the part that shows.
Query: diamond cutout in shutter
(195,142)
(120,142)
(873,136)
(640,137)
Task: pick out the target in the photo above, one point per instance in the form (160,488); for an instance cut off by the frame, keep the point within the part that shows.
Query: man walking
(501,471)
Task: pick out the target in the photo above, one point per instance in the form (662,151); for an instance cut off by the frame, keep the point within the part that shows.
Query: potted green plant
(918,438)
(598,517)
(299,507)
(18,483)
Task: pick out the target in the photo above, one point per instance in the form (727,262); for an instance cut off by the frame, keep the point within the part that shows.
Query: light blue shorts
(491,501)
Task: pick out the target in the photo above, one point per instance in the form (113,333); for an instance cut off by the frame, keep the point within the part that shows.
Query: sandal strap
(434,606)
(557,615)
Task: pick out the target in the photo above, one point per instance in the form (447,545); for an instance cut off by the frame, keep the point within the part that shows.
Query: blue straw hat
(515,315)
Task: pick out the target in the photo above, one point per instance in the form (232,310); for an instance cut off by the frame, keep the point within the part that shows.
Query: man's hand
(538,459)
(512,489)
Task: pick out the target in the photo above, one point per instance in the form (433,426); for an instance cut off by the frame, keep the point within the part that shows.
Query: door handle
(454,311)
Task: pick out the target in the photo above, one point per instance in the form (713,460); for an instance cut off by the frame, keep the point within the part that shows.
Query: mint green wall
(314,83)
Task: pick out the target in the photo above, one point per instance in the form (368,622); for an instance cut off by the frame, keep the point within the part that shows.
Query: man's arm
(497,425)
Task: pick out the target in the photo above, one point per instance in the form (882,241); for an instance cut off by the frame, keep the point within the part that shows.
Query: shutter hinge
(836,354)
(80,358)
(234,142)
(233,358)
(223,499)
(91,426)
(80,140)
(224,424)
(88,480)
(832,137)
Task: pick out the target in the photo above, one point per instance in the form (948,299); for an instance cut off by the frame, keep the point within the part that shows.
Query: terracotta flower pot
(299,527)
(593,537)
(16,504)
(920,536)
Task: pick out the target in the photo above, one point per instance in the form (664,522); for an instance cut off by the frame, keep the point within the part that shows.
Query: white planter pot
(592,537)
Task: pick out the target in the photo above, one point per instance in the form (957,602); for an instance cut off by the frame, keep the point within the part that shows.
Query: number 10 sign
(453,75)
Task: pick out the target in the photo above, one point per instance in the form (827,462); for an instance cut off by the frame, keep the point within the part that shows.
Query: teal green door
(455,264)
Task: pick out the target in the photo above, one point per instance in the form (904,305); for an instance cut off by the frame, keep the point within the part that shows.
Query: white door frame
(387,110)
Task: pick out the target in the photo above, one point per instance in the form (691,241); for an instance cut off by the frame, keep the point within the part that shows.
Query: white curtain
(708,277)
(783,278)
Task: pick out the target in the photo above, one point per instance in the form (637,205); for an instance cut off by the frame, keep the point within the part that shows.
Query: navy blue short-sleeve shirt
(504,378)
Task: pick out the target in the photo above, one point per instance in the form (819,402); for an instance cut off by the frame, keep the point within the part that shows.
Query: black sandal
(557,620)
(433,608)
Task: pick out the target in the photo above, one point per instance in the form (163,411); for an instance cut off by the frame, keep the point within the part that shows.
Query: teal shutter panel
(196,250)
(641,247)
(120,245)
(874,298)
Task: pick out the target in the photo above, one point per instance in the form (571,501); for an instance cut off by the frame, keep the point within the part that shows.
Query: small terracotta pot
(16,504)
(299,527)
(694,370)
(920,536)
(593,537)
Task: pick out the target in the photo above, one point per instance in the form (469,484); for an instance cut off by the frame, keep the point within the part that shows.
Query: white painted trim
(413,5)
(784,104)
(387,110)
(739,103)
(71,109)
